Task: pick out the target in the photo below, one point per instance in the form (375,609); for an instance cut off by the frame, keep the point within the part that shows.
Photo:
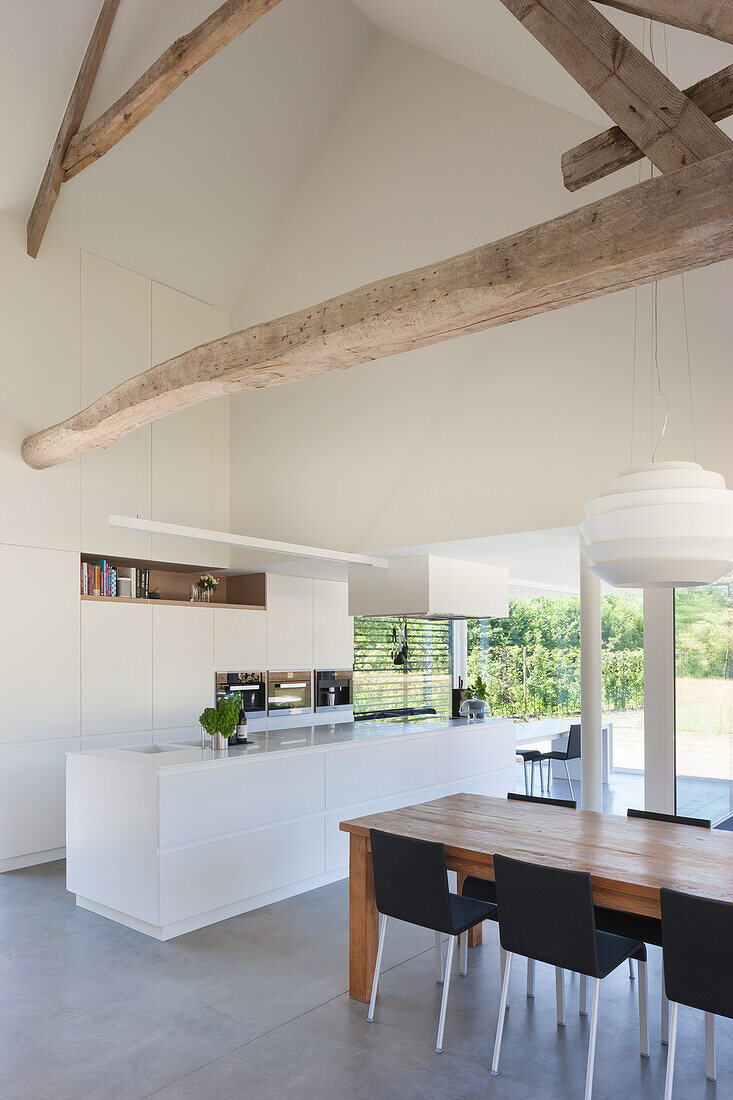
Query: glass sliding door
(703,620)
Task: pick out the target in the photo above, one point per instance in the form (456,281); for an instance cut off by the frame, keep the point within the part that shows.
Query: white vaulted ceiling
(193,194)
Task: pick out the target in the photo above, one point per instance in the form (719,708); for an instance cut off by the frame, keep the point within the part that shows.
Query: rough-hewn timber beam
(172,67)
(659,118)
(607,152)
(711,17)
(53,177)
(650,231)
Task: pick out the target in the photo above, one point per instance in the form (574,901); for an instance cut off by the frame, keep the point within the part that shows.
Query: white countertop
(174,756)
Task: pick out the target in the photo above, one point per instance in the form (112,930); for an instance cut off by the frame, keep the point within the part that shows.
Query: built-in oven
(252,686)
(334,690)
(289,693)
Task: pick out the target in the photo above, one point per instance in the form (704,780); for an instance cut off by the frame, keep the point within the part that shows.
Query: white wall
(71,326)
(501,431)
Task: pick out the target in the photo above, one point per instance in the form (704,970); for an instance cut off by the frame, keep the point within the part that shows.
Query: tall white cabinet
(333,627)
(289,623)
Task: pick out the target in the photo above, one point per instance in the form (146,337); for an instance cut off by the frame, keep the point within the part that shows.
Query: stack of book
(98,578)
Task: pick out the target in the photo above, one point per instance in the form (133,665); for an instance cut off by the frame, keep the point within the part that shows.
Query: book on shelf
(98,578)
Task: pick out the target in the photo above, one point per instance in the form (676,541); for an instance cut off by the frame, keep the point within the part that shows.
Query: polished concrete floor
(256,1007)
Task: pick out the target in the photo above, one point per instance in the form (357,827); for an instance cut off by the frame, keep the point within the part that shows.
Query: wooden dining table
(629,859)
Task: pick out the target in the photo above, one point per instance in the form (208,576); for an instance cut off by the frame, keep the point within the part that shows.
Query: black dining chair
(698,963)
(411,884)
(531,757)
(649,929)
(570,752)
(546,913)
(485,890)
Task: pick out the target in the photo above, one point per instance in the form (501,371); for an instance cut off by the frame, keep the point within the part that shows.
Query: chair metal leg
(560,995)
(583,996)
(444,998)
(567,773)
(526,785)
(643,1011)
(502,967)
(549,775)
(669,1080)
(464,954)
(631,970)
(530,979)
(710,1068)
(592,1041)
(665,1014)
(502,1014)
(377,966)
(531,774)
(439,957)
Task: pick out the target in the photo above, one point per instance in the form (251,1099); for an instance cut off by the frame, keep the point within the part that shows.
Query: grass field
(704,731)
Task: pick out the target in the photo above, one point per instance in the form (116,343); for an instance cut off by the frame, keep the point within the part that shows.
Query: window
(425,680)
(703,622)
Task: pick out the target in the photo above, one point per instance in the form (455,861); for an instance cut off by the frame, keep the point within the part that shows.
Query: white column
(659,725)
(591,718)
(460,651)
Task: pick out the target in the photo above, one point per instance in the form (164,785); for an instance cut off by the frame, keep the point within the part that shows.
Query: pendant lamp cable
(655,291)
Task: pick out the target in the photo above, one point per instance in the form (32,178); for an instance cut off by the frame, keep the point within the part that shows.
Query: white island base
(166,839)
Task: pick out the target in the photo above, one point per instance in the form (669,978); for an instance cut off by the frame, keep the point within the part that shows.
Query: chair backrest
(514,796)
(572,752)
(698,822)
(546,914)
(411,880)
(697,934)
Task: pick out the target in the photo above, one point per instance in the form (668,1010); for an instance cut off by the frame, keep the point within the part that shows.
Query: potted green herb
(221,722)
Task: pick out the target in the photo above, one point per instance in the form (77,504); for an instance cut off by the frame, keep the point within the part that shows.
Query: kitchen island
(172,837)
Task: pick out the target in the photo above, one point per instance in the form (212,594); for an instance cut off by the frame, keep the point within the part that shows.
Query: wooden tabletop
(629,859)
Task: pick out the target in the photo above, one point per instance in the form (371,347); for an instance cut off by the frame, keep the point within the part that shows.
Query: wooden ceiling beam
(53,177)
(170,70)
(655,229)
(605,153)
(659,118)
(711,17)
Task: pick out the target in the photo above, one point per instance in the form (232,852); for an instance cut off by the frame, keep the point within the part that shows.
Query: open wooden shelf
(174,603)
(243,591)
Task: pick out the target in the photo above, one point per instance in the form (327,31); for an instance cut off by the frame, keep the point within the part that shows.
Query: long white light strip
(228,538)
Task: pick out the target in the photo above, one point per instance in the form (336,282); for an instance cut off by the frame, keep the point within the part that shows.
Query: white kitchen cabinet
(117,668)
(183,664)
(289,623)
(240,640)
(333,627)
(39,644)
(32,801)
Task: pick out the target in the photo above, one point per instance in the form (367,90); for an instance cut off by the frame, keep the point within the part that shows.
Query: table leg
(475,934)
(363,920)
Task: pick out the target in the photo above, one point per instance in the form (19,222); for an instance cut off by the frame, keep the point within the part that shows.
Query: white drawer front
(208,876)
(356,774)
(474,752)
(209,803)
(337,843)
(497,784)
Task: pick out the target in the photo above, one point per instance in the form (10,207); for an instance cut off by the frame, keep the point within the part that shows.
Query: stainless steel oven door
(289,692)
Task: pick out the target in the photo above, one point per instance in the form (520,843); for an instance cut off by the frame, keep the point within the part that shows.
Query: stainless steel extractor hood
(429,587)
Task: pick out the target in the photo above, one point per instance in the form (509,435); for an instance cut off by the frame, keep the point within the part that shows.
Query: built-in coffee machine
(252,686)
(334,690)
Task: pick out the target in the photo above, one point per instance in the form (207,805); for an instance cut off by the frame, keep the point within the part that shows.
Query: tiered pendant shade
(667,525)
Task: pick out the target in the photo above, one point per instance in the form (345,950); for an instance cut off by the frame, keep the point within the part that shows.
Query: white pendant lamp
(666,525)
